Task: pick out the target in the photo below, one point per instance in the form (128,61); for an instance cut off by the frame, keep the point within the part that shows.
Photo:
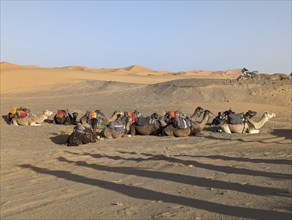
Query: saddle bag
(117,125)
(235,118)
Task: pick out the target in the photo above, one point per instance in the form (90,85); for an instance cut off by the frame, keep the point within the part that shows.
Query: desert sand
(209,176)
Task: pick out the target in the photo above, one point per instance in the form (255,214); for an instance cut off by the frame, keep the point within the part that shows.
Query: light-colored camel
(113,134)
(195,129)
(249,126)
(33,120)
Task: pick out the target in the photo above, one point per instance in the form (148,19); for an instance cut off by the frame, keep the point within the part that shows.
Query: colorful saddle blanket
(62,113)
(20,112)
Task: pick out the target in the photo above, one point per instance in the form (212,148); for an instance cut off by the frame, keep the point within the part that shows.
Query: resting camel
(196,128)
(169,115)
(17,112)
(33,120)
(93,121)
(81,135)
(63,119)
(249,126)
(84,119)
(110,133)
(149,129)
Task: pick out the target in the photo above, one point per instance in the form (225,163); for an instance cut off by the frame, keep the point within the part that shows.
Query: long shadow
(60,139)
(286,133)
(180,178)
(147,194)
(278,133)
(241,159)
(225,169)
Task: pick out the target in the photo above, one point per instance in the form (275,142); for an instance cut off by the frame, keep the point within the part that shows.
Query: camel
(18,112)
(81,135)
(196,128)
(149,129)
(65,119)
(169,115)
(85,119)
(249,126)
(110,133)
(33,120)
(229,116)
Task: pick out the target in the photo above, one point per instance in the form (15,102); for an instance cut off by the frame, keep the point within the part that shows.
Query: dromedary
(249,126)
(81,135)
(153,128)
(94,118)
(195,129)
(33,120)
(116,129)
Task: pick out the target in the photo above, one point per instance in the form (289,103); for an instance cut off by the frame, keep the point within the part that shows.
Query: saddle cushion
(172,114)
(117,125)
(21,114)
(60,113)
(142,121)
(180,123)
(13,110)
(92,115)
(235,118)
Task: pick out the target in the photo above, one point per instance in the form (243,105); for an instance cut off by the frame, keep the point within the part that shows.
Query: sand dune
(210,176)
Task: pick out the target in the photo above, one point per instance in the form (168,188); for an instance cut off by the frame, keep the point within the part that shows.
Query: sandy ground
(210,176)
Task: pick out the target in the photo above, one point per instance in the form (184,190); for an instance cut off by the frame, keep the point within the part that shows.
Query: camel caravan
(126,124)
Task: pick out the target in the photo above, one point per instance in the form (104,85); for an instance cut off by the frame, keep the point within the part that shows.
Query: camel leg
(34,124)
(14,122)
(226,129)
(254,131)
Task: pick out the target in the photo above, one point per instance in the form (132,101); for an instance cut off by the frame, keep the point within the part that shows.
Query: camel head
(75,115)
(115,115)
(269,115)
(47,113)
(197,113)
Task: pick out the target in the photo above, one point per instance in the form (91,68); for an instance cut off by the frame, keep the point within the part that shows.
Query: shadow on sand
(148,194)
(59,139)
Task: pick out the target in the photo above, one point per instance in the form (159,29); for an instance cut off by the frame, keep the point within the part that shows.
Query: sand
(209,176)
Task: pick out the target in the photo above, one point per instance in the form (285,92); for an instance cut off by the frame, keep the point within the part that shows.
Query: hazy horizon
(163,35)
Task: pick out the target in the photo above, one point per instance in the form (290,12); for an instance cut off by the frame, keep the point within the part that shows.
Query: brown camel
(116,129)
(81,135)
(153,128)
(95,120)
(196,128)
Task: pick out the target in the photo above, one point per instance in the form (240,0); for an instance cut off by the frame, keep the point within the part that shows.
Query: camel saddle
(93,114)
(62,113)
(134,115)
(181,123)
(20,112)
(117,125)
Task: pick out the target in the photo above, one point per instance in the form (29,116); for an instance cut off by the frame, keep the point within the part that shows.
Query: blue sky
(161,35)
